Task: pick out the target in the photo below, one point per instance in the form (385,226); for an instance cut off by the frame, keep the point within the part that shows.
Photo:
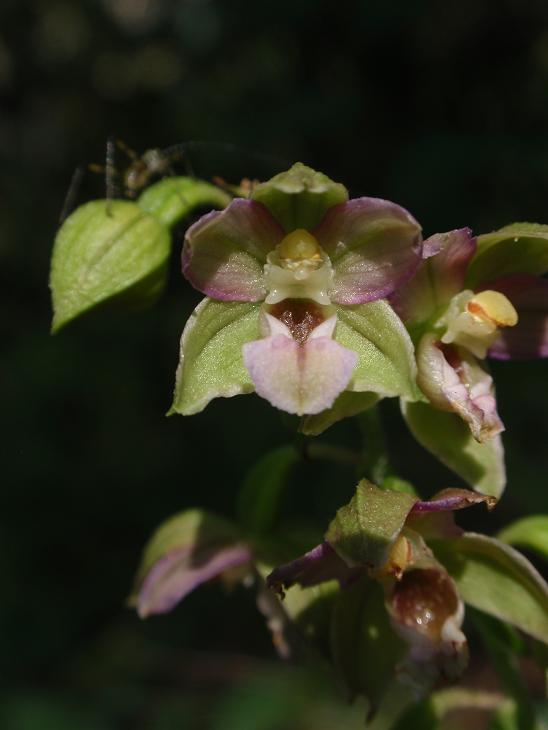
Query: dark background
(441,107)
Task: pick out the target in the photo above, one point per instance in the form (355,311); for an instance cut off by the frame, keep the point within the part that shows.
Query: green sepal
(173,198)
(364,646)
(520,248)
(363,531)
(386,363)
(347,404)
(496,579)
(530,533)
(449,439)
(299,197)
(107,252)
(262,491)
(211,363)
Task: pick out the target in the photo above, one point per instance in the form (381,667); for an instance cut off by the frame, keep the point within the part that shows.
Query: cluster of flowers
(322,306)
(312,272)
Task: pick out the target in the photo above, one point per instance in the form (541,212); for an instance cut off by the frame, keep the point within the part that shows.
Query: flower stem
(329,452)
(374,458)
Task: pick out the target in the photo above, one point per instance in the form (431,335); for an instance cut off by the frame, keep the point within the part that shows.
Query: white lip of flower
(474,320)
(298,268)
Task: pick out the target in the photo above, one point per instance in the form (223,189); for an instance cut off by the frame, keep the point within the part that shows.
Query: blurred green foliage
(441,107)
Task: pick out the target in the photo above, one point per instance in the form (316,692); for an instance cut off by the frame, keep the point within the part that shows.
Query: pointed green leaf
(211,363)
(520,248)
(106,252)
(173,198)
(496,579)
(347,404)
(529,532)
(299,197)
(386,364)
(261,493)
(448,438)
(364,646)
(363,531)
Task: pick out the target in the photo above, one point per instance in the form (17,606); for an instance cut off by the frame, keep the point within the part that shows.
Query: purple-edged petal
(453,380)
(433,519)
(318,565)
(439,279)
(225,251)
(374,246)
(529,338)
(452,499)
(299,378)
(181,571)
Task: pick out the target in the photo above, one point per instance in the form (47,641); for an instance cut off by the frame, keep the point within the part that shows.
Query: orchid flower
(456,326)
(389,581)
(468,301)
(294,277)
(420,597)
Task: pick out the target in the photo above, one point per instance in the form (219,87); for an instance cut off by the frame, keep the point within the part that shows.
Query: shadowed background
(441,107)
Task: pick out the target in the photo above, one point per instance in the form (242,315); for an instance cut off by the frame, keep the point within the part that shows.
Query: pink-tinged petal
(529,338)
(299,378)
(453,380)
(181,571)
(374,246)
(452,499)
(440,277)
(225,251)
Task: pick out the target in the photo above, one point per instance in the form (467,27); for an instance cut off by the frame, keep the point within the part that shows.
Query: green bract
(364,530)
(106,251)
(299,197)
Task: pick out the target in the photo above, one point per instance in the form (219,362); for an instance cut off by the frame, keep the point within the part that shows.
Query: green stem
(375,459)
(329,452)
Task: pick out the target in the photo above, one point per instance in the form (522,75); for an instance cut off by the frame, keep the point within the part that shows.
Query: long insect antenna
(72,192)
(179,153)
(110,172)
(215,155)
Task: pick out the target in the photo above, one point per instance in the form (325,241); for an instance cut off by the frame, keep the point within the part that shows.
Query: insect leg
(72,192)
(126,149)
